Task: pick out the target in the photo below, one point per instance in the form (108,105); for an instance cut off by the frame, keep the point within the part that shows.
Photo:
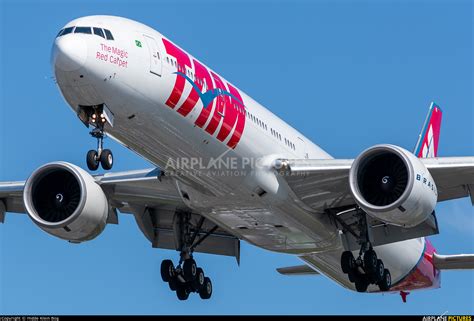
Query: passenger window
(108,34)
(67,30)
(83,30)
(99,32)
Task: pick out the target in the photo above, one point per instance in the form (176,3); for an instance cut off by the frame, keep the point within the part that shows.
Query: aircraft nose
(69,53)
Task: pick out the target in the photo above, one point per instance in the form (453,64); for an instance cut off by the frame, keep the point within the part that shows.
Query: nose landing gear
(100,156)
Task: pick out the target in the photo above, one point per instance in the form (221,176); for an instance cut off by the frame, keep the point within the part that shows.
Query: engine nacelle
(392,185)
(65,201)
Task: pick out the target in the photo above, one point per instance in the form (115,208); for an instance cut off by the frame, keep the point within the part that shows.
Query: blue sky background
(348,74)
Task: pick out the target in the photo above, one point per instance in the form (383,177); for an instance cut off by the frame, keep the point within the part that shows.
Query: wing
(153,201)
(324,183)
(454,176)
(323,186)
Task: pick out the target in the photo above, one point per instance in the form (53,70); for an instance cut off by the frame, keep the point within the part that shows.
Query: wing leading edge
(152,201)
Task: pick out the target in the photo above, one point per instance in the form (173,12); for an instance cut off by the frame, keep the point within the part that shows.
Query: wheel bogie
(178,279)
(365,271)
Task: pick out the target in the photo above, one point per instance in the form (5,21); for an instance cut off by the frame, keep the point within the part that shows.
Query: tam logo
(226,99)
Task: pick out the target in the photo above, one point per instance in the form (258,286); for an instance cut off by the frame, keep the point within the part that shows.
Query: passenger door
(155,56)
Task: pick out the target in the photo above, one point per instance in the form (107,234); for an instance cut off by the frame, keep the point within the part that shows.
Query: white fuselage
(135,76)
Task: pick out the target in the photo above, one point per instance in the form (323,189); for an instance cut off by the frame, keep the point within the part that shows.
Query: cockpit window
(67,30)
(108,34)
(104,33)
(83,30)
(99,32)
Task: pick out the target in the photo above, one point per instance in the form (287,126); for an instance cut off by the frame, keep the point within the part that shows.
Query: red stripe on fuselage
(424,275)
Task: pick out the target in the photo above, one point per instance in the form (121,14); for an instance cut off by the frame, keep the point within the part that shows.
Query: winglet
(427,145)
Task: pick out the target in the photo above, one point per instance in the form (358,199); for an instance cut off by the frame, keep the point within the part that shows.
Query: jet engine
(392,185)
(65,201)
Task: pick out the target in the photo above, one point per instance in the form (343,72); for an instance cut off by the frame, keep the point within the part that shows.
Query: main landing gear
(100,156)
(365,270)
(187,277)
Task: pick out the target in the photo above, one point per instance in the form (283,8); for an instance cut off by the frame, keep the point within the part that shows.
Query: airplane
(228,170)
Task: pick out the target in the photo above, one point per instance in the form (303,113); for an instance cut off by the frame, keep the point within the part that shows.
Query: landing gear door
(155,56)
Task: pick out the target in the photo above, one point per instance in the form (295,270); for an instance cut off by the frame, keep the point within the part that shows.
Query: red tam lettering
(183,60)
(222,102)
(193,97)
(203,74)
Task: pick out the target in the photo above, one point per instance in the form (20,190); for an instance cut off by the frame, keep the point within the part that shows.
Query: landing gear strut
(100,156)
(366,269)
(187,277)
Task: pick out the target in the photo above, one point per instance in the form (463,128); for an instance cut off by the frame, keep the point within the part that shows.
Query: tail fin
(427,145)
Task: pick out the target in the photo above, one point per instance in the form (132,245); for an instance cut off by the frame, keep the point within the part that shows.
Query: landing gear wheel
(361,283)
(173,284)
(189,270)
(106,159)
(92,160)
(199,280)
(206,291)
(386,282)
(182,293)
(370,261)
(352,275)
(347,261)
(379,272)
(167,270)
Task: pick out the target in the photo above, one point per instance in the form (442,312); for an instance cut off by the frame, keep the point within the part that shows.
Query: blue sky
(348,74)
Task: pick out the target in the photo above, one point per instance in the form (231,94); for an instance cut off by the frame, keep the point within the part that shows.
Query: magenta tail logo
(427,145)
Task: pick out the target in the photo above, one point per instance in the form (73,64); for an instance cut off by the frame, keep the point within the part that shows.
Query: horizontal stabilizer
(453,262)
(297,270)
